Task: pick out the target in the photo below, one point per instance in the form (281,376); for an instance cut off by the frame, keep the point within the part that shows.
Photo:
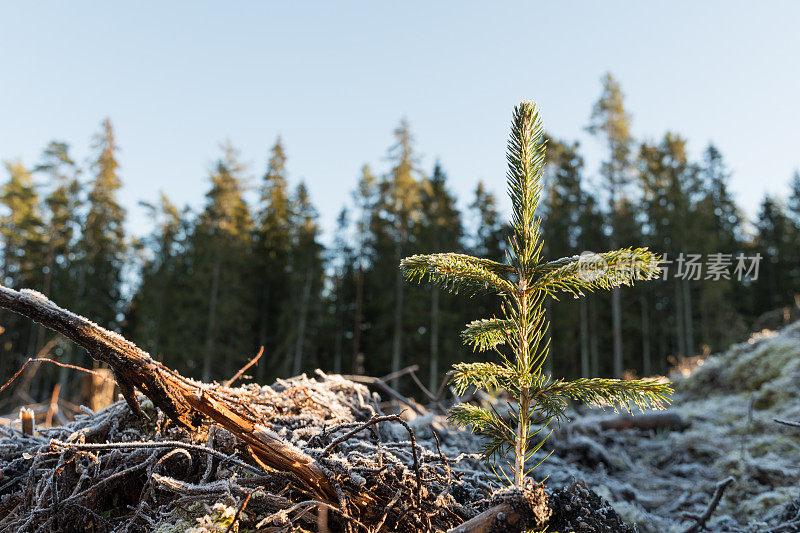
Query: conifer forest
(566,347)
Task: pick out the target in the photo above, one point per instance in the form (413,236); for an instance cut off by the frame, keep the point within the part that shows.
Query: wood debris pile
(116,471)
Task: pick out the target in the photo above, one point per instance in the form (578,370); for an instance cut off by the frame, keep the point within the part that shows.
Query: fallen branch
(644,422)
(183,400)
(700,520)
(55,443)
(381,384)
(375,420)
(45,360)
(511,510)
(787,423)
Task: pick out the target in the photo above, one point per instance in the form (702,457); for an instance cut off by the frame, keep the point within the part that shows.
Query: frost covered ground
(728,404)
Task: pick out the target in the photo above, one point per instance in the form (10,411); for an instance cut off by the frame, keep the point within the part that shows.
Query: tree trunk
(679,330)
(548,363)
(337,343)
(433,377)
(355,366)
(585,370)
(687,315)
(212,319)
(647,363)
(397,339)
(263,333)
(617,325)
(593,347)
(300,341)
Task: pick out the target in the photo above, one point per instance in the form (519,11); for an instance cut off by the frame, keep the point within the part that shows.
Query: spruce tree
(774,243)
(63,224)
(103,245)
(22,228)
(23,243)
(717,229)
(669,184)
(794,199)
(306,271)
(221,244)
(161,285)
(561,210)
(272,243)
(522,283)
(400,209)
(364,198)
(610,120)
(440,226)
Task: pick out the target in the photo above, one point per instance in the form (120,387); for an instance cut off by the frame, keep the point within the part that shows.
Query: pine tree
(522,284)
(305,265)
(103,245)
(23,241)
(161,286)
(221,244)
(561,210)
(670,185)
(23,230)
(611,121)
(773,243)
(364,198)
(401,196)
(63,224)
(272,242)
(440,226)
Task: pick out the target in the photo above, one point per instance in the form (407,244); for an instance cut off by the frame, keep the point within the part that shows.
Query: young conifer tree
(522,284)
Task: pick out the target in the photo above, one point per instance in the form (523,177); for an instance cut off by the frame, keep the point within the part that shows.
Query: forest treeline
(206,288)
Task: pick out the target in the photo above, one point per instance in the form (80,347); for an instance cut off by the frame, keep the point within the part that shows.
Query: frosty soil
(117,471)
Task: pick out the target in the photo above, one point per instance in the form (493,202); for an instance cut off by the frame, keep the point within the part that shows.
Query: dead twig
(375,420)
(386,511)
(381,384)
(787,423)
(700,520)
(52,409)
(242,370)
(63,365)
(163,444)
(242,506)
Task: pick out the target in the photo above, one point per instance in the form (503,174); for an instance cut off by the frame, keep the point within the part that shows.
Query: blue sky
(334,78)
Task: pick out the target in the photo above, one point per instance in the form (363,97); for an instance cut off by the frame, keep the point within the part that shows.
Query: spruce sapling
(522,284)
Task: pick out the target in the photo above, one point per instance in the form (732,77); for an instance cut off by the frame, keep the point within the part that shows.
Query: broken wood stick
(381,384)
(183,400)
(512,510)
(486,521)
(644,422)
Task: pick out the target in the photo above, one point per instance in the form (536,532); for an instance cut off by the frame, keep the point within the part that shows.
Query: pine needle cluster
(519,335)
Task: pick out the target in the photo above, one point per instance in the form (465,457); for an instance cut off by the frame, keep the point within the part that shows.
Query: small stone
(501,516)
